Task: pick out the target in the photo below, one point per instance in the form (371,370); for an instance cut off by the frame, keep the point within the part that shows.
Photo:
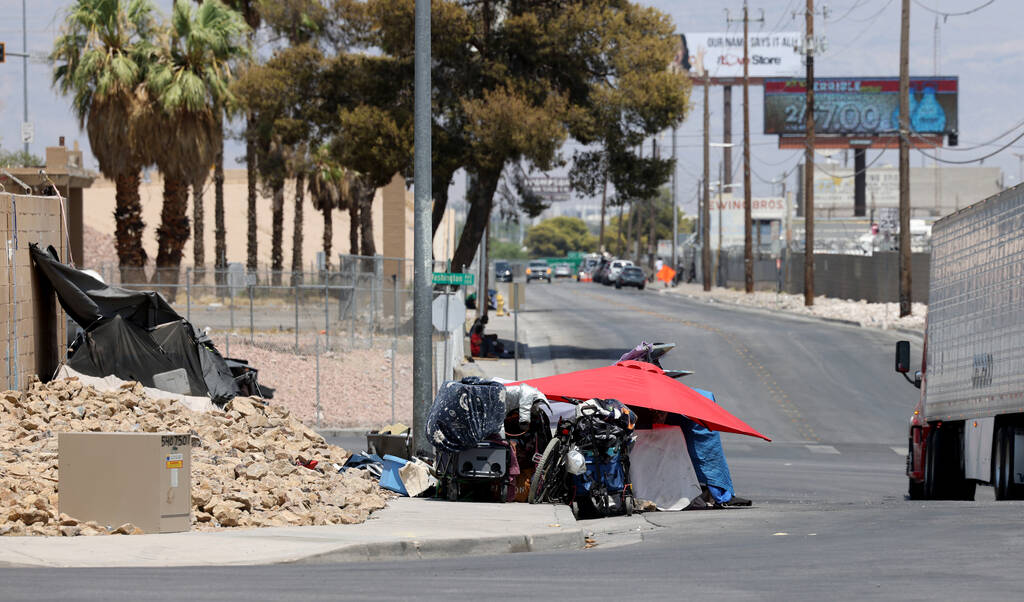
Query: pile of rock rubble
(252,464)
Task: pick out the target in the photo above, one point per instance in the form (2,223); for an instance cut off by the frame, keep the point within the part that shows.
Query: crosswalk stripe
(822,449)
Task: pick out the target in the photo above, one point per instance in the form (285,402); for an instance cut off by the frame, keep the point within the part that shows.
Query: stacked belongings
(466,425)
(137,336)
(586,465)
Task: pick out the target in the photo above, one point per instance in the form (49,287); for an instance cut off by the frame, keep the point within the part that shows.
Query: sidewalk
(409,528)
(504,327)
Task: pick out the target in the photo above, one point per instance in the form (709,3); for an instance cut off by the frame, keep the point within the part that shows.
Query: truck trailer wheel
(1003,466)
(944,465)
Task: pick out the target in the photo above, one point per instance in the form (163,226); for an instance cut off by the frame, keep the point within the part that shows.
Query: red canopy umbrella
(642,385)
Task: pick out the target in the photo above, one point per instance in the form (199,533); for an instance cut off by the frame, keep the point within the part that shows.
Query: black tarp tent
(135,335)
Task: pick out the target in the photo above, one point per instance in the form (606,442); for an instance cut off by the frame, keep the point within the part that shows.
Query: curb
(787,314)
(448,548)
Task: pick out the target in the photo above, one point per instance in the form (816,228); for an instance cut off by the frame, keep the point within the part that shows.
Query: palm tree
(190,84)
(102,58)
(329,189)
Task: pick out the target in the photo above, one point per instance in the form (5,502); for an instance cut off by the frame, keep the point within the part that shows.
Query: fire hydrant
(500,302)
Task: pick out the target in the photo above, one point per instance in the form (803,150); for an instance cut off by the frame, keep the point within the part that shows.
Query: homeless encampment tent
(137,335)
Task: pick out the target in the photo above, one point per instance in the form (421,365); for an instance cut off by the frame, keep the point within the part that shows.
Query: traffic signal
(3,52)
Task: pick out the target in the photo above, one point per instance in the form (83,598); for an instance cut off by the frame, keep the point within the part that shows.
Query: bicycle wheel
(546,473)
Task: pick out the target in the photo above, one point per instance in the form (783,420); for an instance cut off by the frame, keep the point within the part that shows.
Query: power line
(852,8)
(946,15)
(975,160)
(818,167)
(980,144)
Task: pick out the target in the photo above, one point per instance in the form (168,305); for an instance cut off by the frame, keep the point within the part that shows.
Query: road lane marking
(899,450)
(822,449)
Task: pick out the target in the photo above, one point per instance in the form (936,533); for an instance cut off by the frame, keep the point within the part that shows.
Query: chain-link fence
(336,344)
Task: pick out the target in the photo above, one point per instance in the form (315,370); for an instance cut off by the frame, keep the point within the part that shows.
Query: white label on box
(174,477)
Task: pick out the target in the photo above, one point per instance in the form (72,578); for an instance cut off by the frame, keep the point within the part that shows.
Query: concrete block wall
(873,278)
(31,320)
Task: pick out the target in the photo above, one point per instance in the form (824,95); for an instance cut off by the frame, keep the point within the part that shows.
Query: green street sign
(454,279)
(575,255)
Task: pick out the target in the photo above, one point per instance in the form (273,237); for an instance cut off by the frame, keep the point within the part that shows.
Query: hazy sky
(984,49)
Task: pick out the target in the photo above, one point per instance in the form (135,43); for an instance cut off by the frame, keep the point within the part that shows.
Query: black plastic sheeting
(465,413)
(88,300)
(135,335)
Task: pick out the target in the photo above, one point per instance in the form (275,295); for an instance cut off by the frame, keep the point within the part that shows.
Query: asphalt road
(830,520)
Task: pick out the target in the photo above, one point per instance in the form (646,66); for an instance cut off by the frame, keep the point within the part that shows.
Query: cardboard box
(116,478)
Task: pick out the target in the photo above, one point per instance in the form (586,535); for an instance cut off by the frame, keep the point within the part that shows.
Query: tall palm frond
(102,58)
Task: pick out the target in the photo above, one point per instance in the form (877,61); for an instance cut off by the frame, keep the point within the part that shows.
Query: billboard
(860,106)
(770,54)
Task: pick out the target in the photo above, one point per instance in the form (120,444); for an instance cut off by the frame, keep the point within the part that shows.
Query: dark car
(631,276)
(502,271)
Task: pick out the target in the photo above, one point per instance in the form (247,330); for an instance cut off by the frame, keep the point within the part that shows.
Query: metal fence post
(227,344)
(296,287)
(316,351)
(251,329)
(327,312)
(394,346)
(373,307)
(231,305)
(188,294)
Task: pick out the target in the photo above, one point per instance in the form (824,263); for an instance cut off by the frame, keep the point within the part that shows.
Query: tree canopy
(557,236)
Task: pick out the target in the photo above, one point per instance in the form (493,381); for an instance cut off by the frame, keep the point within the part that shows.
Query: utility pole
(905,296)
(718,259)
(604,200)
(809,160)
(652,244)
(748,252)
(423,362)
(675,210)
(727,129)
(705,242)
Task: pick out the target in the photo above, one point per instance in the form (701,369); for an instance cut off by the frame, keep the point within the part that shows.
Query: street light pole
(422,352)
(24,69)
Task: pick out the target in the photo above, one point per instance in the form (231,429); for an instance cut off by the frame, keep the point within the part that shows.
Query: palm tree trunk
(277,239)
(300,198)
(353,226)
(367,248)
(219,231)
(198,228)
(131,257)
(172,234)
(252,258)
(328,212)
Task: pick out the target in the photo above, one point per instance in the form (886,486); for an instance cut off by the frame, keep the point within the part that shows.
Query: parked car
(631,276)
(615,269)
(502,271)
(538,270)
(563,270)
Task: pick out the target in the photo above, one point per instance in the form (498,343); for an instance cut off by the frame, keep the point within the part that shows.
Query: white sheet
(660,468)
(113,383)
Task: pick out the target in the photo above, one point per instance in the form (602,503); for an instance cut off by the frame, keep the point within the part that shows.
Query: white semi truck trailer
(968,426)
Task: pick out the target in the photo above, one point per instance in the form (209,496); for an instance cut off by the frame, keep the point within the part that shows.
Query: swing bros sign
(861,112)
